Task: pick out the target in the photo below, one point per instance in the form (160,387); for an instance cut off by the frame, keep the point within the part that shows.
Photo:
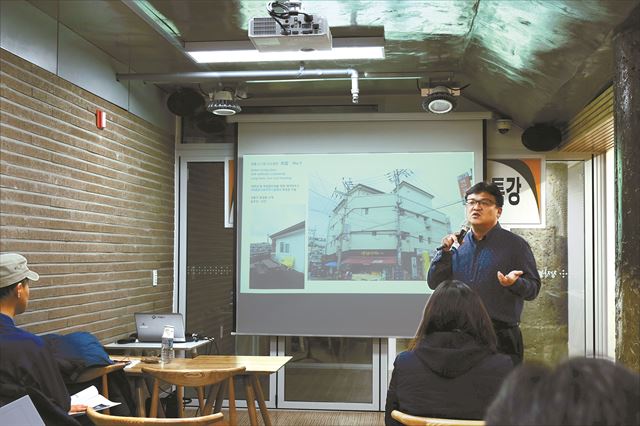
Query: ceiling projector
(288,28)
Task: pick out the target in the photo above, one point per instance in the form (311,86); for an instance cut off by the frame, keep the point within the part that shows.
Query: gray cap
(13,269)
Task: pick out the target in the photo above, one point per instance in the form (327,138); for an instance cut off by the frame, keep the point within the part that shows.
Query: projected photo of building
(374,235)
(279,262)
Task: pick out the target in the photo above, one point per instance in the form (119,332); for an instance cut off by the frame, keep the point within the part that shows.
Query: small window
(366,211)
(282,247)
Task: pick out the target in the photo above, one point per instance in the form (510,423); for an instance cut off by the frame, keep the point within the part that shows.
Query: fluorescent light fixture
(364,76)
(238,51)
(223,56)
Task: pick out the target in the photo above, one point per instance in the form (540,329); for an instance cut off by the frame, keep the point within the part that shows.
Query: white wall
(296,249)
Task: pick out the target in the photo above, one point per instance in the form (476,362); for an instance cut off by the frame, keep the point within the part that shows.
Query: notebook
(21,412)
(151,326)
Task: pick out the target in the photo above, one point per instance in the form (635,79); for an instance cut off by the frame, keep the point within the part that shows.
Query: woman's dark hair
(454,306)
(517,403)
(579,391)
(490,188)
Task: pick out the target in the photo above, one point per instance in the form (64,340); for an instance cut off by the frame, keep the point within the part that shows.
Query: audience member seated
(452,369)
(579,391)
(26,364)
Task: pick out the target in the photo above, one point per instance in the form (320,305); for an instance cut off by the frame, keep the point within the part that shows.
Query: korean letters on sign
(520,182)
(511,190)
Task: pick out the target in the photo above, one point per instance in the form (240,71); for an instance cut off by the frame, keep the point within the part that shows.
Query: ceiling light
(222,103)
(240,51)
(440,99)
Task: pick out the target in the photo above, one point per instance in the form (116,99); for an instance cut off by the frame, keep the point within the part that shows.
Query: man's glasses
(482,203)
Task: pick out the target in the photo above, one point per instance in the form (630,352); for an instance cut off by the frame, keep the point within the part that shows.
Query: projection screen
(338,220)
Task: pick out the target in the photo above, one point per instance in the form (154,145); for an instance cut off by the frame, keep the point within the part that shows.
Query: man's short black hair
(490,188)
(6,291)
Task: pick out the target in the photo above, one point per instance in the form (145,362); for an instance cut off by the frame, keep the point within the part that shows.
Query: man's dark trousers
(509,340)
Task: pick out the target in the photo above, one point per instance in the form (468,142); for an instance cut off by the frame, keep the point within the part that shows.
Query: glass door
(209,256)
(205,294)
(336,373)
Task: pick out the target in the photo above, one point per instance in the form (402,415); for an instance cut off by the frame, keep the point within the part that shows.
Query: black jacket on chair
(448,375)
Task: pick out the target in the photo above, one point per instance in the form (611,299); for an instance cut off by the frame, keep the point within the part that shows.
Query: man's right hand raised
(448,241)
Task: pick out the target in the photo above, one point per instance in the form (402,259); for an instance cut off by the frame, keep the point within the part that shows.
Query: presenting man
(496,263)
(26,365)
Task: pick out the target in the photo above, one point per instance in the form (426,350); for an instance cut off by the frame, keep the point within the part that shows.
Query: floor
(310,418)
(316,418)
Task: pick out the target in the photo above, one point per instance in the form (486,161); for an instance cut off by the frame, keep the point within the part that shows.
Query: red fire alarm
(101,119)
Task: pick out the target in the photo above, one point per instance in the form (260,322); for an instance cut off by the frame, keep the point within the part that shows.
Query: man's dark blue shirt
(28,368)
(476,263)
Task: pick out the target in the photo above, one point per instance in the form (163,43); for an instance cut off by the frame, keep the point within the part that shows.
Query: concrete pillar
(626,86)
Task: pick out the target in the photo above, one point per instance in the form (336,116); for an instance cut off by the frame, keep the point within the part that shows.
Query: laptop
(151,326)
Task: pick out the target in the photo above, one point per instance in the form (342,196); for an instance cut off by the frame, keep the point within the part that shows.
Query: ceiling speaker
(185,102)
(541,137)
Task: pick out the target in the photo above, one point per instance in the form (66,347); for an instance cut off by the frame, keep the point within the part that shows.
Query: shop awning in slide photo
(370,260)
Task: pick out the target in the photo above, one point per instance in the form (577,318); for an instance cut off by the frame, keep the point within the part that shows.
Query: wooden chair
(198,379)
(93,373)
(99,419)
(409,420)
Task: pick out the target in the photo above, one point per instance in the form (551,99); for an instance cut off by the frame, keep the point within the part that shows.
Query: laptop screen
(151,326)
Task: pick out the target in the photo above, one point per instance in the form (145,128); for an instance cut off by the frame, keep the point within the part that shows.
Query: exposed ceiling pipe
(197,77)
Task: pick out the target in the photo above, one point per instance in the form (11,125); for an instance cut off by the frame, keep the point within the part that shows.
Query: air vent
(591,130)
(264,27)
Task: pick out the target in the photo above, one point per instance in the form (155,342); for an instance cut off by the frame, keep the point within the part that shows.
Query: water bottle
(166,350)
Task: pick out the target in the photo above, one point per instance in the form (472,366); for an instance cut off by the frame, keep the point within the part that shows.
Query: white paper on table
(132,363)
(91,398)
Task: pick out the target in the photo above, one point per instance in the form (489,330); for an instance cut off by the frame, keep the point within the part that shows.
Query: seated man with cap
(26,364)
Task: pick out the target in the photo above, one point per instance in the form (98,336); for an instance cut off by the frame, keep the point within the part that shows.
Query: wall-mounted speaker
(185,102)
(541,137)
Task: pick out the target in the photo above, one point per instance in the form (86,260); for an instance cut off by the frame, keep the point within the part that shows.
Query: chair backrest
(409,420)
(192,378)
(92,373)
(198,378)
(100,419)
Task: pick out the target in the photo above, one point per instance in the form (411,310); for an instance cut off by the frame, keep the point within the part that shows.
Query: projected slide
(347,223)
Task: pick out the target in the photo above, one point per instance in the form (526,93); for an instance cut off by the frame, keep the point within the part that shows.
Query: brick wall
(92,210)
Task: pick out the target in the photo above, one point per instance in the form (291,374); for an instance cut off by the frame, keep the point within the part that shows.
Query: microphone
(459,236)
